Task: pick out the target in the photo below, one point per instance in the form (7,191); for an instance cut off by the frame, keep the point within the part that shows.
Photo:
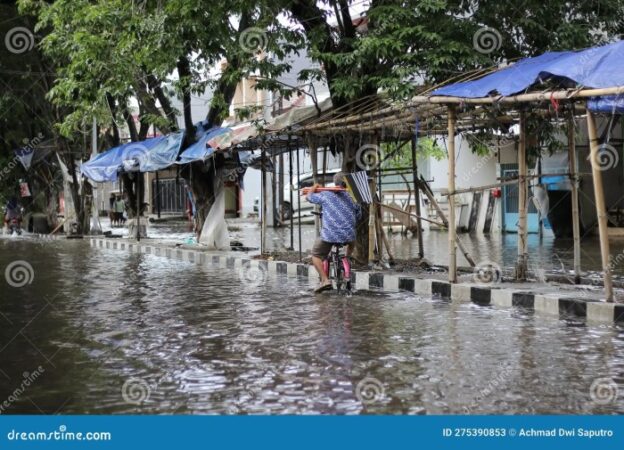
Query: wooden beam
(452,228)
(522,261)
(576,227)
(601,209)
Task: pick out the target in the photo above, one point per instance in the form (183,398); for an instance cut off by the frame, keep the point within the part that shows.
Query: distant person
(340,216)
(12,210)
(120,207)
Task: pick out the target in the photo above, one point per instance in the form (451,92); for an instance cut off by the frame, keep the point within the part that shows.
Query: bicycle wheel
(339,271)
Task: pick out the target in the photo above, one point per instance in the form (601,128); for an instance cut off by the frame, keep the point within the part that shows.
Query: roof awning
(105,166)
(595,67)
(200,150)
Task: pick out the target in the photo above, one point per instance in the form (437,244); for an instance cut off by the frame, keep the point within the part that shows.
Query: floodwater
(104,331)
(545,254)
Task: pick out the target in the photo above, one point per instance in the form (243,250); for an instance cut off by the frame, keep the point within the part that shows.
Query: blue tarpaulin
(104,166)
(149,155)
(596,67)
(162,155)
(199,151)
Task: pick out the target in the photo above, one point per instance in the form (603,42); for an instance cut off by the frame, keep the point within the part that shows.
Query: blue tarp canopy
(200,151)
(149,155)
(104,166)
(596,67)
(163,154)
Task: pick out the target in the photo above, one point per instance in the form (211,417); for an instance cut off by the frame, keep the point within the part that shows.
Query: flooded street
(109,331)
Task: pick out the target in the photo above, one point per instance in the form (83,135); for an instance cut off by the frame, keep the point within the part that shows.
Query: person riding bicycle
(12,211)
(340,216)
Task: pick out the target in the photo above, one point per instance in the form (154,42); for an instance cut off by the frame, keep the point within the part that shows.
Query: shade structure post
(601,210)
(299,203)
(421,252)
(290,196)
(576,226)
(452,228)
(264,204)
(522,259)
(157,196)
(280,193)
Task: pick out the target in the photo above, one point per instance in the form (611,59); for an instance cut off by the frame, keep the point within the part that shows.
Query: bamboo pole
(299,204)
(452,229)
(601,209)
(576,227)
(383,239)
(420,100)
(264,205)
(508,181)
(521,263)
(280,185)
(401,211)
(290,196)
(371,227)
(421,252)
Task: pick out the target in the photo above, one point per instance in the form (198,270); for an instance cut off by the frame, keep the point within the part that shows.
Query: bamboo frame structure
(371,117)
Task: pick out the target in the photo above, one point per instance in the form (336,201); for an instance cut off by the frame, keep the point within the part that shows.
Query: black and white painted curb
(562,305)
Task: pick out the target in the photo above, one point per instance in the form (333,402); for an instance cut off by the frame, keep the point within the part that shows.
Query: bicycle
(337,267)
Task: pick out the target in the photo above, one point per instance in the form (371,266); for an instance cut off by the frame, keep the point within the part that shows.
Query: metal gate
(172,196)
(510,204)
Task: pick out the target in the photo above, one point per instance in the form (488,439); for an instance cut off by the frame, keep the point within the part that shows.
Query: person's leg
(320,250)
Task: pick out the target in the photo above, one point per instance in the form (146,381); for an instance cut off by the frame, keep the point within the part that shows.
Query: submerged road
(87,330)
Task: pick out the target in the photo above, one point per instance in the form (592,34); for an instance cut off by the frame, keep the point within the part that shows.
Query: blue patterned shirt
(340,215)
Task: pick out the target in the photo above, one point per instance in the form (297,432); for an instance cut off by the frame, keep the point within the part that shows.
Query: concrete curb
(561,305)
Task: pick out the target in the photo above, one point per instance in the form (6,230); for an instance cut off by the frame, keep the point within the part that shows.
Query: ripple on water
(198,341)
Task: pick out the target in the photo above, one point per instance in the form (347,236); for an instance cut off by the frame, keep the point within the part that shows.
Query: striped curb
(557,305)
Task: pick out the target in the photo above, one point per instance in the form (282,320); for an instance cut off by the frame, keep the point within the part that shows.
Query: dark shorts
(321,248)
